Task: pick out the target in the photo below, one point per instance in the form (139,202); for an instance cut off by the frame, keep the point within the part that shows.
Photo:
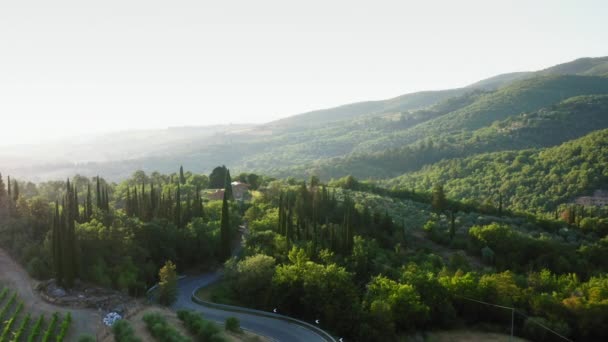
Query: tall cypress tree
(89,204)
(10,196)
(182,178)
(56,247)
(3,198)
(16,192)
(225,237)
(178,208)
(228,186)
(281,214)
(98,197)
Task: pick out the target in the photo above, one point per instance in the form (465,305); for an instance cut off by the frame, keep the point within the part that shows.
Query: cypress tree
(228,186)
(438,200)
(182,178)
(281,214)
(56,247)
(187,217)
(225,229)
(178,208)
(153,205)
(10,196)
(89,203)
(98,197)
(3,199)
(128,203)
(16,192)
(76,207)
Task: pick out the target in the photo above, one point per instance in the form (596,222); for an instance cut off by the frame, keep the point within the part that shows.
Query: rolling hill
(376,139)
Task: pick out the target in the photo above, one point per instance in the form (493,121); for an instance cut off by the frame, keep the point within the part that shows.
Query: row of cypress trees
(65,264)
(63,229)
(9,195)
(303,212)
(155,203)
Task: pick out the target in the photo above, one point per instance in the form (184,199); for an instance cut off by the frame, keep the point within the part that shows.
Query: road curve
(275,329)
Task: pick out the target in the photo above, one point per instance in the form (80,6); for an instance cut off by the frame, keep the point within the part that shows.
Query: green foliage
(63,329)
(123,332)
(202,329)
(158,327)
(8,325)
(167,284)
(36,329)
(315,291)
(50,329)
(528,180)
(233,324)
(21,329)
(251,279)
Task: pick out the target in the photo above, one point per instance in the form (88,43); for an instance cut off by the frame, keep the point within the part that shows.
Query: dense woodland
(378,218)
(347,253)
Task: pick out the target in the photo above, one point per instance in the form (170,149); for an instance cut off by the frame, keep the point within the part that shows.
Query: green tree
(225,234)
(167,285)
(217,178)
(228,186)
(251,279)
(182,178)
(438,200)
(3,199)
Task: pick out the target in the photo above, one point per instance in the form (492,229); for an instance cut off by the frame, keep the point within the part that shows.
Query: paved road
(275,329)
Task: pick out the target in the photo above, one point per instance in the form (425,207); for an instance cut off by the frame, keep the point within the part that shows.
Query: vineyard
(17,325)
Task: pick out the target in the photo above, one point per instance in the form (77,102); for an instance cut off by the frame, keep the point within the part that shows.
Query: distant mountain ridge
(351,139)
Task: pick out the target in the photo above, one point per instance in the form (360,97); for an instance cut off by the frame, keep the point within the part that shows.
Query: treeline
(377,285)
(119,235)
(537,180)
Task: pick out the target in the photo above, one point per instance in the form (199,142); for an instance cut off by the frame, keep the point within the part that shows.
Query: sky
(83,67)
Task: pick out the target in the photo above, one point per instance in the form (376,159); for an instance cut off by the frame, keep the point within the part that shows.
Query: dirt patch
(85,321)
(84,295)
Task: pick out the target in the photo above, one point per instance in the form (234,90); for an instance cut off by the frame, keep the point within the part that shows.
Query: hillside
(555,124)
(401,103)
(527,179)
(376,139)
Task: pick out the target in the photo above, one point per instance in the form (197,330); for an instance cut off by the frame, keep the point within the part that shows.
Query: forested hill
(401,103)
(526,180)
(374,139)
(553,125)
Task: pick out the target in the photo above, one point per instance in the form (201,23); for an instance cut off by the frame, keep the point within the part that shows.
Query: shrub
(123,332)
(204,330)
(161,330)
(233,324)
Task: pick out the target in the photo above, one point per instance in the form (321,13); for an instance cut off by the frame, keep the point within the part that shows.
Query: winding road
(272,328)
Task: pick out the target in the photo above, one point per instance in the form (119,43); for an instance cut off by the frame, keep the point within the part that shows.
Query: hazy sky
(73,67)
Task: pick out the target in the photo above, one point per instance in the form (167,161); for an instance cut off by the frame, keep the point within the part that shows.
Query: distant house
(216,195)
(240,191)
